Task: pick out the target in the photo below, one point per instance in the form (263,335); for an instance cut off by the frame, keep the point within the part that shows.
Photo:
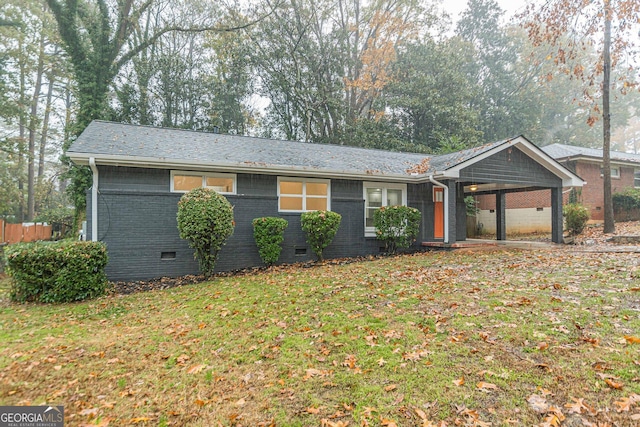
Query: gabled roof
(566,152)
(134,145)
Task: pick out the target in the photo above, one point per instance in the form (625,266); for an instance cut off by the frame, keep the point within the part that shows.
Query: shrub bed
(576,217)
(626,205)
(62,271)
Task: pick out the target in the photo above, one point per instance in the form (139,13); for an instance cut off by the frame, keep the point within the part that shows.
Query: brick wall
(592,195)
(592,192)
(522,200)
(137,221)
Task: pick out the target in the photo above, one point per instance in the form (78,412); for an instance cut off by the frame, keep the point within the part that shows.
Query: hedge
(61,271)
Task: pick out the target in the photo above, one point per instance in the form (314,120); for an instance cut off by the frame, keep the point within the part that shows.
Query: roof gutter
(446,206)
(94,200)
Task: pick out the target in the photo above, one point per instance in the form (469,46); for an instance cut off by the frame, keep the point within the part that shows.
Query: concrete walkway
(527,244)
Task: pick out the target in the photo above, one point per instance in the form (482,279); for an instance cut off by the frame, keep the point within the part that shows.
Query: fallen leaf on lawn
(613,384)
(139,420)
(196,369)
(200,402)
(578,406)
(484,386)
(459,381)
(381,362)
(387,422)
(420,413)
(543,346)
(538,403)
(182,359)
(313,372)
(390,387)
(632,339)
(312,410)
(103,423)
(326,423)
(91,412)
(241,402)
(554,418)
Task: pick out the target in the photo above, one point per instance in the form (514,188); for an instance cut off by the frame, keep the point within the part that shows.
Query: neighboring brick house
(530,211)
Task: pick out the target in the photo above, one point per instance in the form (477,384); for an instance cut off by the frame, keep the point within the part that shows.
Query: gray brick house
(140,173)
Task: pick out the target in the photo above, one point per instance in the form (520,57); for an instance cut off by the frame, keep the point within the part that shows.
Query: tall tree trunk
(609,225)
(33,119)
(45,129)
(23,130)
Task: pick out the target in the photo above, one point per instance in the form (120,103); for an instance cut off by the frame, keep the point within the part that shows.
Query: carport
(513,165)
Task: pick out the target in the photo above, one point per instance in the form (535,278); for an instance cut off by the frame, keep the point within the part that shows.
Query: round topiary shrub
(321,227)
(397,226)
(269,234)
(576,217)
(205,220)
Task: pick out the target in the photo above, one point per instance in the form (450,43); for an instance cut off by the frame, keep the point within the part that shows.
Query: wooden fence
(26,232)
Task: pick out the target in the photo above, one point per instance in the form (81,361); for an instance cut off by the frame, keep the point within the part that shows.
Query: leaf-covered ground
(466,338)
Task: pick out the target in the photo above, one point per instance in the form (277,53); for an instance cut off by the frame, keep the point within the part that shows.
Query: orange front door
(438,213)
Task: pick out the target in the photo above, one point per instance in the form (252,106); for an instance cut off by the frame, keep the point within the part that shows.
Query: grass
(464,338)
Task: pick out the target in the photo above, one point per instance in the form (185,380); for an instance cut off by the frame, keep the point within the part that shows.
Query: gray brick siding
(137,221)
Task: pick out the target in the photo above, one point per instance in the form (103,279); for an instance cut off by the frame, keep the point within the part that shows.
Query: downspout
(94,200)
(446,206)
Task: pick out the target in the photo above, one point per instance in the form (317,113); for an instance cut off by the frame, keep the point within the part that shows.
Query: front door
(438,213)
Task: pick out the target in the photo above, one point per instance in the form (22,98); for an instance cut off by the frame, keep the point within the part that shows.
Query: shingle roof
(176,145)
(124,144)
(562,151)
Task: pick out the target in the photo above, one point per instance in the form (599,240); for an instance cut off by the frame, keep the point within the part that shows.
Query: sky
(455,7)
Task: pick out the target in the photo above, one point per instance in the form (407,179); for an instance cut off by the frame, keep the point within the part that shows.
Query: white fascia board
(598,160)
(569,179)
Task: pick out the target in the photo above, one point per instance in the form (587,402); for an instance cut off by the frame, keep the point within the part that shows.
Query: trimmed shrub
(205,220)
(626,204)
(269,234)
(321,227)
(576,217)
(63,271)
(397,226)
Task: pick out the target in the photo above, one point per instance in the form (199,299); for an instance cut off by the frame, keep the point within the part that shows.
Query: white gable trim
(569,179)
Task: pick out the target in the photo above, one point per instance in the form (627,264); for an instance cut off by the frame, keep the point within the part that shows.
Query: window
(377,195)
(615,172)
(224,183)
(636,178)
(301,195)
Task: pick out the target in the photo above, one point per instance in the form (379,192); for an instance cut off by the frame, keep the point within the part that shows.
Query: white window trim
(615,175)
(204,176)
(304,196)
(371,231)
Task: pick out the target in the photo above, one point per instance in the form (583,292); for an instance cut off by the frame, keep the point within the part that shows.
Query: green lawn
(468,338)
